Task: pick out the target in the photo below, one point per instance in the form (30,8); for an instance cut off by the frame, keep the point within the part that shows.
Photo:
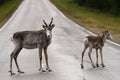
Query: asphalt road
(64,52)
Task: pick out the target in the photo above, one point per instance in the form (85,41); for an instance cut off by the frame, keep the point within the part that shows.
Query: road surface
(64,52)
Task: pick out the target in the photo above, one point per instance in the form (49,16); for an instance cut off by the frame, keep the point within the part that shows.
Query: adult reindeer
(29,40)
(96,42)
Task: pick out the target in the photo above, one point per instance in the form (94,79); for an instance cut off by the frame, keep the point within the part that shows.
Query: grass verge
(7,9)
(94,21)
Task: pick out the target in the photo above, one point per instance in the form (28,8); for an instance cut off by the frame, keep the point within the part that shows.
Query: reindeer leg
(46,58)
(101,58)
(40,57)
(14,55)
(97,58)
(11,60)
(15,58)
(89,53)
(82,66)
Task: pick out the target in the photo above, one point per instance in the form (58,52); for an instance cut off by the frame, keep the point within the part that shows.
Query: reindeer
(96,42)
(32,39)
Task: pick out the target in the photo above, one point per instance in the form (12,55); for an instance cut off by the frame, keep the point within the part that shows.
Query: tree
(112,6)
(4,1)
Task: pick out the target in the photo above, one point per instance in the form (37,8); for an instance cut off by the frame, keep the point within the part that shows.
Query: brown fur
(96,42)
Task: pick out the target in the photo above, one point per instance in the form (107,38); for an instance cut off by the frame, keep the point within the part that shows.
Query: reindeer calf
(96,42)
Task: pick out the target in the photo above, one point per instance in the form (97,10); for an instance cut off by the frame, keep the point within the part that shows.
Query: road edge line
(12,17)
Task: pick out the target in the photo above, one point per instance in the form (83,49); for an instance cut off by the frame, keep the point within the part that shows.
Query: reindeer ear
(53,25)
(103,32)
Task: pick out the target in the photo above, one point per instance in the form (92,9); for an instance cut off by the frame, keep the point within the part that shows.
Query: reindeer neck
(103,38)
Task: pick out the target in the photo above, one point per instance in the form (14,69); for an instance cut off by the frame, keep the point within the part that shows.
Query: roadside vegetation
(111,6)
(7,7)
(93,19)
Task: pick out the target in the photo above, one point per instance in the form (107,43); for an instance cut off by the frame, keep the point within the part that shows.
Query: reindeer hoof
(82,66)
(20,72)
(12,73)
(103,65)
(97,65)
(48,70)
(41,70)
(94,66)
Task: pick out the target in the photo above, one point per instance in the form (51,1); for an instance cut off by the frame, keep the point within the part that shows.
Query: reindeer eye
(49,28)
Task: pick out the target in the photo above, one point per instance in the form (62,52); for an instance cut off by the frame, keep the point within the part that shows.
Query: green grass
(7,9)
(94,21)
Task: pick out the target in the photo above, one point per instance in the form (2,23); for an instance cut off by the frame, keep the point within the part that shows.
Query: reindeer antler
(45,22)
(51,21)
